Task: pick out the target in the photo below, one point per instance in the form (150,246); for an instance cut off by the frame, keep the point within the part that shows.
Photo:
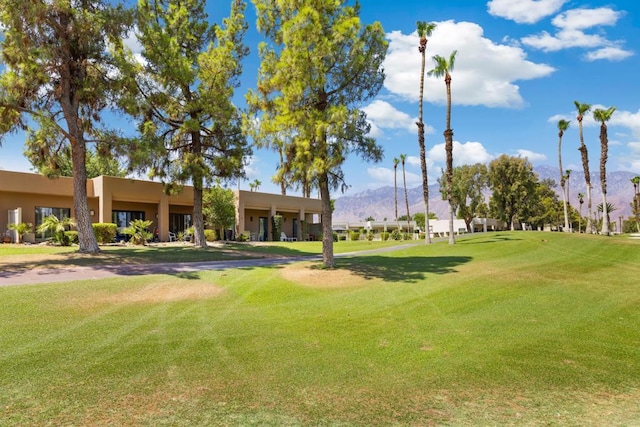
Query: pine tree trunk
(327,229)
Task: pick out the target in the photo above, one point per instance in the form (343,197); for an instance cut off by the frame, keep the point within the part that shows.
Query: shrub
(71,237)
(396,234)
(276,227)
(105,232)
(384,236)
(354,235)
(21,229)
(211,235)
(57,227)
(139,231)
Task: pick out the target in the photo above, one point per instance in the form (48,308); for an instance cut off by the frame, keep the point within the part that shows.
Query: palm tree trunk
(562,185)
(406,196)
(587,178)
(423,154)
(448,137)
(604,145)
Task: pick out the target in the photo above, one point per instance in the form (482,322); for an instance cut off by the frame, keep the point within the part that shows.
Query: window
(43,212)
(179,222)
(122,218)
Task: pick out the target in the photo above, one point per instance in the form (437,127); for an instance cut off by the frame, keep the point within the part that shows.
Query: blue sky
(519,67)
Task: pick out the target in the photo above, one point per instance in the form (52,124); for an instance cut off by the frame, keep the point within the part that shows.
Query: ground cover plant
(520,328)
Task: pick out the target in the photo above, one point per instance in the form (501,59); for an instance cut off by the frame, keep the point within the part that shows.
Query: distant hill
(379,203)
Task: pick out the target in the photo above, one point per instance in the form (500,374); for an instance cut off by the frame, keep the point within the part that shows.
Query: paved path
(70,273)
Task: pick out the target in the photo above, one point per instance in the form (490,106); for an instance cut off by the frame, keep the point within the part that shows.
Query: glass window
(123,219)
(179,222)
(43,212)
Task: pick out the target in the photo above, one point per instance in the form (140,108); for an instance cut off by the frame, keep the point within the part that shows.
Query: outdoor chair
(284,238)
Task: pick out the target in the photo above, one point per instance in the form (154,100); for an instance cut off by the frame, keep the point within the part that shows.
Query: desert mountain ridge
(379,203)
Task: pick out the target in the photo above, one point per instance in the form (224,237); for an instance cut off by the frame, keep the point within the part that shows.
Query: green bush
(105,232)
(139,231)
(354,236)
(71,237)
(211,235)
(276,227)
(384,236)
(396,234)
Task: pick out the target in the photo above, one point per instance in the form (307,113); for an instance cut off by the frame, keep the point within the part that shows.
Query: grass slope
(500,329)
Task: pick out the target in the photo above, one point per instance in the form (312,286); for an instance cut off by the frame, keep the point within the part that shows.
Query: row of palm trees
(603,116)
(443,67)
(403,158)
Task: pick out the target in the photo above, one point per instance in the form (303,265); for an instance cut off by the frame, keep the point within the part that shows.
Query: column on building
(105,201)
(163,218)
(302,221)
(273,212)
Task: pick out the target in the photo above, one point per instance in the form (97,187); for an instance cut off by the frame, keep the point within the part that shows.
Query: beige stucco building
(28,197)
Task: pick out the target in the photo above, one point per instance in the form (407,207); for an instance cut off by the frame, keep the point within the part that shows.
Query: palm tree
(57,227)
(582,109)
(563,125)
(425,29)
(606,215)
(395,185)
(603,116)
(581,201)
(636,200)
(443,68)
(403,158)
(21,229)
(253,186)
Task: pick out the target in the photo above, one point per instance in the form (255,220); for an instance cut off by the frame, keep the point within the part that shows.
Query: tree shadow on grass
(482,239)
(398,269)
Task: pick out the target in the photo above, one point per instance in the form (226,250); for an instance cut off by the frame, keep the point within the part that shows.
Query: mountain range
(379,203)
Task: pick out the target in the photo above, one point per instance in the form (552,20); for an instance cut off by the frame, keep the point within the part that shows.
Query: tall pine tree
(58,80)
(182,96)
(318,66)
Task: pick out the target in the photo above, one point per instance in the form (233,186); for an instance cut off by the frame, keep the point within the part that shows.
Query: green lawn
(519,328)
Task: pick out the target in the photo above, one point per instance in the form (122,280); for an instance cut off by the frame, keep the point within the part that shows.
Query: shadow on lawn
(483,239)
(397,269)
(122,261)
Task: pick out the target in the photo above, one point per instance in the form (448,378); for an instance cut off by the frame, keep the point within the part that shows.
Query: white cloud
(252,167)
(581,19)
(524,11)
(570,34)
(383,115)
(610,53)
(631,162)
(563,39)
(531,156)
(385,176)
(380,174)
(468,153)
(484,72)
(628,120)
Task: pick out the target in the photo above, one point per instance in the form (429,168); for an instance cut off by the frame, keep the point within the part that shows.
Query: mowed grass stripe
(501,328)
